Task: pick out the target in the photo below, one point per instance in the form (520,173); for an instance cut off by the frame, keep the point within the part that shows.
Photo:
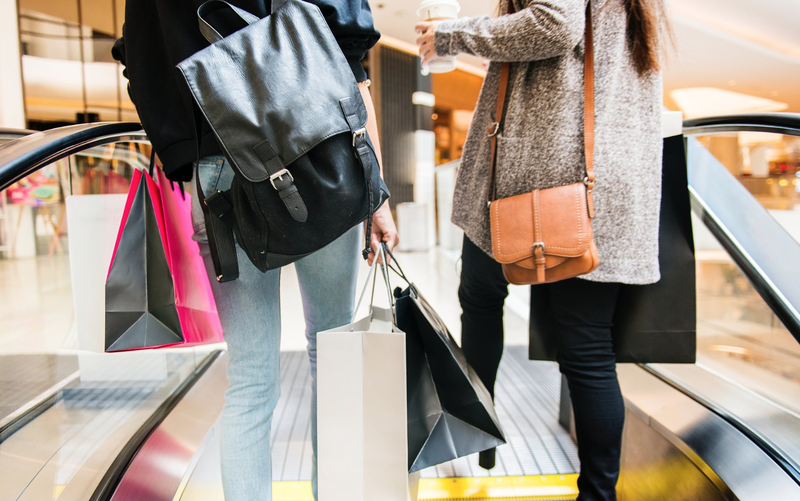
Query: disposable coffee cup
(439,10)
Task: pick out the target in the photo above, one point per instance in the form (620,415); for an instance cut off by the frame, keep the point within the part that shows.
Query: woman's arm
(544,29)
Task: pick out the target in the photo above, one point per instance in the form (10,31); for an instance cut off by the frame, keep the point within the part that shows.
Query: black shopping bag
(450,412)
(654,323)
(140,293)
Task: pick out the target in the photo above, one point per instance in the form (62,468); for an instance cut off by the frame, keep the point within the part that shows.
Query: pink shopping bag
(194,299)
(157,290)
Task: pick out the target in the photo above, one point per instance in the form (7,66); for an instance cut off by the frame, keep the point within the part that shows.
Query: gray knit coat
(541,143)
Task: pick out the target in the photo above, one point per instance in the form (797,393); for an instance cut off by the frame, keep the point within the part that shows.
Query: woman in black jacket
(159,34)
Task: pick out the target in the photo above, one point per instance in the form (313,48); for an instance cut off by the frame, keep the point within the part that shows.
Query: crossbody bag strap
(588,111)
(494,129)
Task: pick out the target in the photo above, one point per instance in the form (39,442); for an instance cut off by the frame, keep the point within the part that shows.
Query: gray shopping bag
(140,294)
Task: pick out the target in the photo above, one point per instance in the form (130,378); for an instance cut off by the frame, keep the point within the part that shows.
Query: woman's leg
(328,287)
(482,293)
(583,311)
(249,309)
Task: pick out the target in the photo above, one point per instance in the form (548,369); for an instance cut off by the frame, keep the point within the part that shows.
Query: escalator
(75,426)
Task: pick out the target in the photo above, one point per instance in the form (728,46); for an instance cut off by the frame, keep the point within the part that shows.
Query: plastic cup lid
(430,3)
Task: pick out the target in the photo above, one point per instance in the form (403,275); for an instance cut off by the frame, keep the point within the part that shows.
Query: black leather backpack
(288,114)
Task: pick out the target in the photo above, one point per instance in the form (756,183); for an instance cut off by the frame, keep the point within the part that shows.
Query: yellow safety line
(527,488)
(292,491)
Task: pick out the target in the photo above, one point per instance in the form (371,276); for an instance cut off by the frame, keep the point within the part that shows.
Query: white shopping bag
(361,412)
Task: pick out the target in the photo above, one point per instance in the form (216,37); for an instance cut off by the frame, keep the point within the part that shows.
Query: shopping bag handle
(152,171)
(399,270)
(374,272)
(152,167)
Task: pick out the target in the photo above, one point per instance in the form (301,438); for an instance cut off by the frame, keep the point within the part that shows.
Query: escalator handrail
(780,123)
(23,156)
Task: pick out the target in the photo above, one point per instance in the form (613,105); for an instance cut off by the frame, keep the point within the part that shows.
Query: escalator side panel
(759,245)
(176,441)
(669,434)
(651,465)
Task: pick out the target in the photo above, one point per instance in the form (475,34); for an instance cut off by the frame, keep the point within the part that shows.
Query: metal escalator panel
(66,409)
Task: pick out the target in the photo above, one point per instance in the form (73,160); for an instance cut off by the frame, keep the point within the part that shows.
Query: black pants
(583,311)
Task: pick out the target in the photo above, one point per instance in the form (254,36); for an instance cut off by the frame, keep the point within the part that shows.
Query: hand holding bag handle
(382,250)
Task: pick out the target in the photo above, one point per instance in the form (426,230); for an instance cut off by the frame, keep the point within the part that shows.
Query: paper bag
(361,411)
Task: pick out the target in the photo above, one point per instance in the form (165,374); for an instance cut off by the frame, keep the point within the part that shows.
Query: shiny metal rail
(33,408)
(736,440)
(778,123)
(23,152)
(778,430)
(23,156)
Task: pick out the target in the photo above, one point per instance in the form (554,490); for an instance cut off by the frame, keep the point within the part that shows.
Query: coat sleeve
(543,29)
(118,53)
(352,25)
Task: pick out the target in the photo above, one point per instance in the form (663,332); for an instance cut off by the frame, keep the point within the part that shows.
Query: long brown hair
(647,28)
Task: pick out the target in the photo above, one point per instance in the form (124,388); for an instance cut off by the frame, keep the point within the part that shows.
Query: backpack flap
(254,87)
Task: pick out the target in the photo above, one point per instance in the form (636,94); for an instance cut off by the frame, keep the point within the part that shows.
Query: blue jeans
(249,309)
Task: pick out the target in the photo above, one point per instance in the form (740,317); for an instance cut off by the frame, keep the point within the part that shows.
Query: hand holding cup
(426,30)
(431,13)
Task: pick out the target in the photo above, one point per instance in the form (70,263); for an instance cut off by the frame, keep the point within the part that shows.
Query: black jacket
(158,34)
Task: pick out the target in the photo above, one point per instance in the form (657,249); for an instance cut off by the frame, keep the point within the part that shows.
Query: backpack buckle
(279,176)
(360,133)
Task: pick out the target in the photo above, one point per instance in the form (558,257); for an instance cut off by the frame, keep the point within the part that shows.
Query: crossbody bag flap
(517,223)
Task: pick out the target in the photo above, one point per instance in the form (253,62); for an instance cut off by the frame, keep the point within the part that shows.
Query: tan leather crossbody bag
(546,235)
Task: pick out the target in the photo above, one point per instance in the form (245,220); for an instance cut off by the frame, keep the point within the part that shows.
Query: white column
(425,181)
(12,109)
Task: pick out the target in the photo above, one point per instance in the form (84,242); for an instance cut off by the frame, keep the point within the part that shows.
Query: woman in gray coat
(541,146)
